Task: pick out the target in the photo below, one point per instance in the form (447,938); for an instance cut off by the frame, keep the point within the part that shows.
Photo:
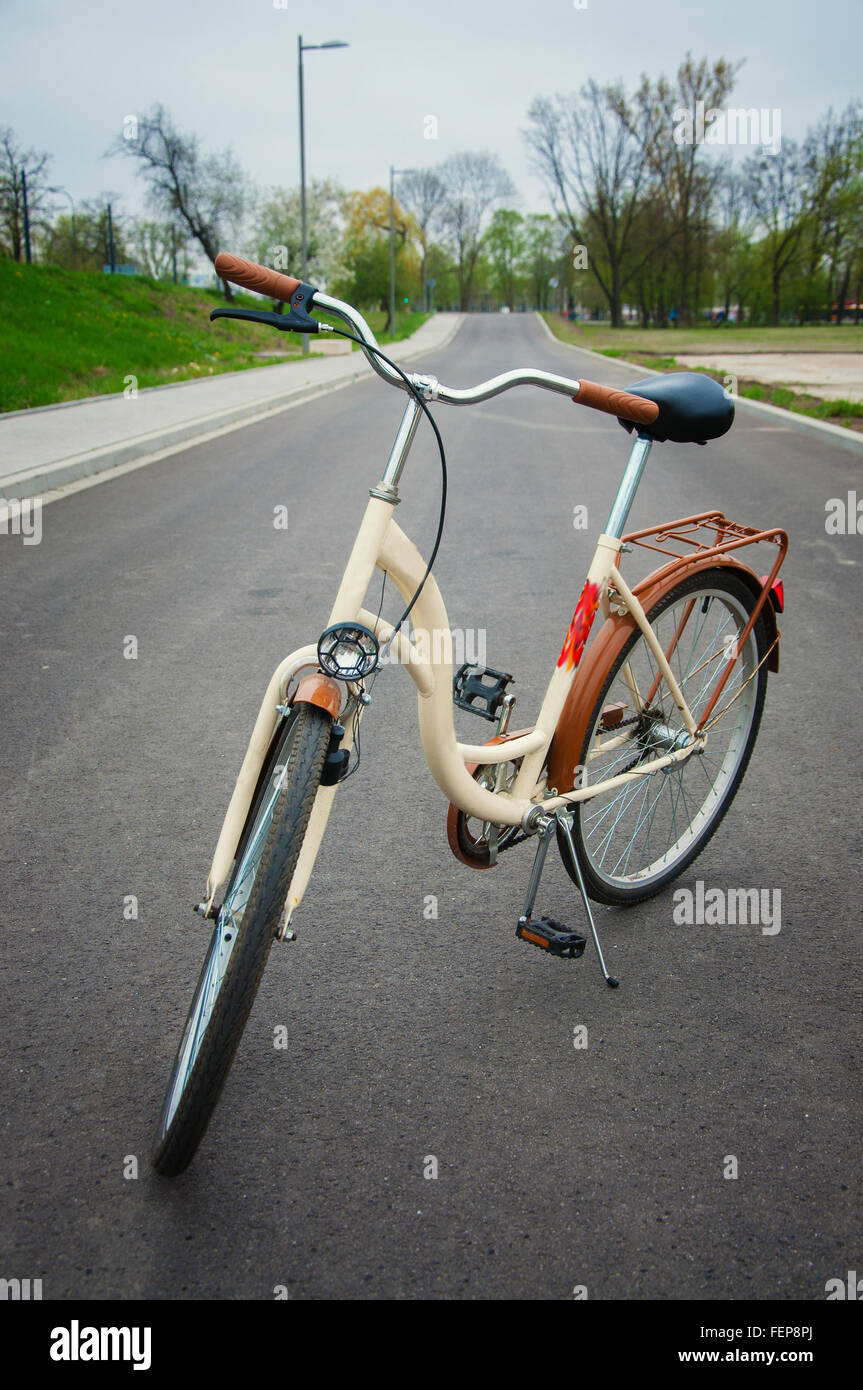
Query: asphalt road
(558,1167)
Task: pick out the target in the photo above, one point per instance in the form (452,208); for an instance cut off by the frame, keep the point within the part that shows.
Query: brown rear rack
(699,537)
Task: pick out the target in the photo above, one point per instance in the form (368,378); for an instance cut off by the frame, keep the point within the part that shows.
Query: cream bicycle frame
(382,545)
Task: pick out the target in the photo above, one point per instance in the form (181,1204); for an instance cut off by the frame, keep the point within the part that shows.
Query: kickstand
(563,820)
(543,836)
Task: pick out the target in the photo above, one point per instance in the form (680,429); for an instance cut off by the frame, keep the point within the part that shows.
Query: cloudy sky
(72,70)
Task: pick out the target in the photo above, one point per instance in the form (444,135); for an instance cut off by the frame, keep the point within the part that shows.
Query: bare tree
(833,161)
(475,185)
(423,193)
(160,249)
(15,162)
(778,192)
(206,193)
(593,164)
(681,176)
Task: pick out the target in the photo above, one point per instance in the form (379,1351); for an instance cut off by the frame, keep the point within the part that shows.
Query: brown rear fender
(565,751)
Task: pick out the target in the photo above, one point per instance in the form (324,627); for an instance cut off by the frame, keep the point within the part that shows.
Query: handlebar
(283,287)
(256,277)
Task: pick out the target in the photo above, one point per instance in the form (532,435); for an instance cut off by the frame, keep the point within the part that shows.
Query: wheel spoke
(637,832)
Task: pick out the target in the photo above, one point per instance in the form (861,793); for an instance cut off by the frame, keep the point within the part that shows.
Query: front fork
(350,718)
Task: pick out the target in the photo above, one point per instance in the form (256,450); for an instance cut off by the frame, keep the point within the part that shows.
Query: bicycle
(638,749)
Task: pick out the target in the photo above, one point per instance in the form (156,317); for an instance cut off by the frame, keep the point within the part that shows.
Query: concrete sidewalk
(54,445)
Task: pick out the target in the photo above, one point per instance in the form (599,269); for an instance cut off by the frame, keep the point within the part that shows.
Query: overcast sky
(71,70)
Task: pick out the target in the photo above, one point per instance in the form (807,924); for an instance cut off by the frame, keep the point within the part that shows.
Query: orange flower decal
(579,628)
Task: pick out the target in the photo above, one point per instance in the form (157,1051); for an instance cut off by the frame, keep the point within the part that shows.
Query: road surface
(410,1038)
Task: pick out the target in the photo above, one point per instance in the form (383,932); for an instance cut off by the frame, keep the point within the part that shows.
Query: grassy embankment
(67,334)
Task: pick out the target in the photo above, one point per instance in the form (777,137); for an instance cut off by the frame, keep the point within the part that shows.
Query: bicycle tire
(600,885)
(187,1111)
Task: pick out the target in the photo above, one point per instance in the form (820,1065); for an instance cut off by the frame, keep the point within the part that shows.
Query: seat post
(625,497)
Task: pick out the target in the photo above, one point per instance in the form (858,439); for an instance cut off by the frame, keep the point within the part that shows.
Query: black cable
(418,398)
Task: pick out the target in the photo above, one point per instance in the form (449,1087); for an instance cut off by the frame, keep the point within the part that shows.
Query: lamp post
(393,173)
(27,252)
(301,49)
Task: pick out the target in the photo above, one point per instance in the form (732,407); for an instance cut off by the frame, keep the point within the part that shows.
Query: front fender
(259,744)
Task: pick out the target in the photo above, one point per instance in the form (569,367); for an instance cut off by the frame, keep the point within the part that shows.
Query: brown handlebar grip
(256,277)
(620,403)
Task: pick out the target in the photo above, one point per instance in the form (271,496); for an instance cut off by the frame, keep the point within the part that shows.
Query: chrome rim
(636,833)
(228,927)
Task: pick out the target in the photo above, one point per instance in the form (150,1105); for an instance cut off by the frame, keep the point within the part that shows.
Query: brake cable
(415,392)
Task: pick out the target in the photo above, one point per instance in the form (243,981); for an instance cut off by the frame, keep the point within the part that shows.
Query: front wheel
(633,840)
(245,927)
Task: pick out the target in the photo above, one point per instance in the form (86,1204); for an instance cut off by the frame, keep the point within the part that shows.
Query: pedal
(551,936)
(479,689)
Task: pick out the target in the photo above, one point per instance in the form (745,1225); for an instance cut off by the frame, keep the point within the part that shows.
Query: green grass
(67,334)
(624,342)
(628,343)
(842,412)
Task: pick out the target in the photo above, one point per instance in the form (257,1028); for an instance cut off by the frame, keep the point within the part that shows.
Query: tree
(540,255)
(475,185)
(593,165)
(777,189)
(15,162)
(441,277)
(731,240)
(680,176)
(87,246)
(365,279)
(157,247)
(506,248)
(205,193)
(277,234)
(833,162)
(423,193)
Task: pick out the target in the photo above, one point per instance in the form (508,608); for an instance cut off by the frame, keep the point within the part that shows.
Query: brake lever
(286,323)
(297,320)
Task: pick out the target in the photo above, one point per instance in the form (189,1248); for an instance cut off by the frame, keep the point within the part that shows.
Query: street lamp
(393,173)
(301,49)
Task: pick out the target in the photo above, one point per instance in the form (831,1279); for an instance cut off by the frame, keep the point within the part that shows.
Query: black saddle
(692,408)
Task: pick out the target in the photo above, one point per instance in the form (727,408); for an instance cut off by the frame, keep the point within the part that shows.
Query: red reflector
(778,592)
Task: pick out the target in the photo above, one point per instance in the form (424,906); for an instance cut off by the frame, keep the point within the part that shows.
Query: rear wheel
(245,927)
(634,840)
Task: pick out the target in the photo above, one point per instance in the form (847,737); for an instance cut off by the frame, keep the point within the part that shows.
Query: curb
(848,439)
(99,465)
